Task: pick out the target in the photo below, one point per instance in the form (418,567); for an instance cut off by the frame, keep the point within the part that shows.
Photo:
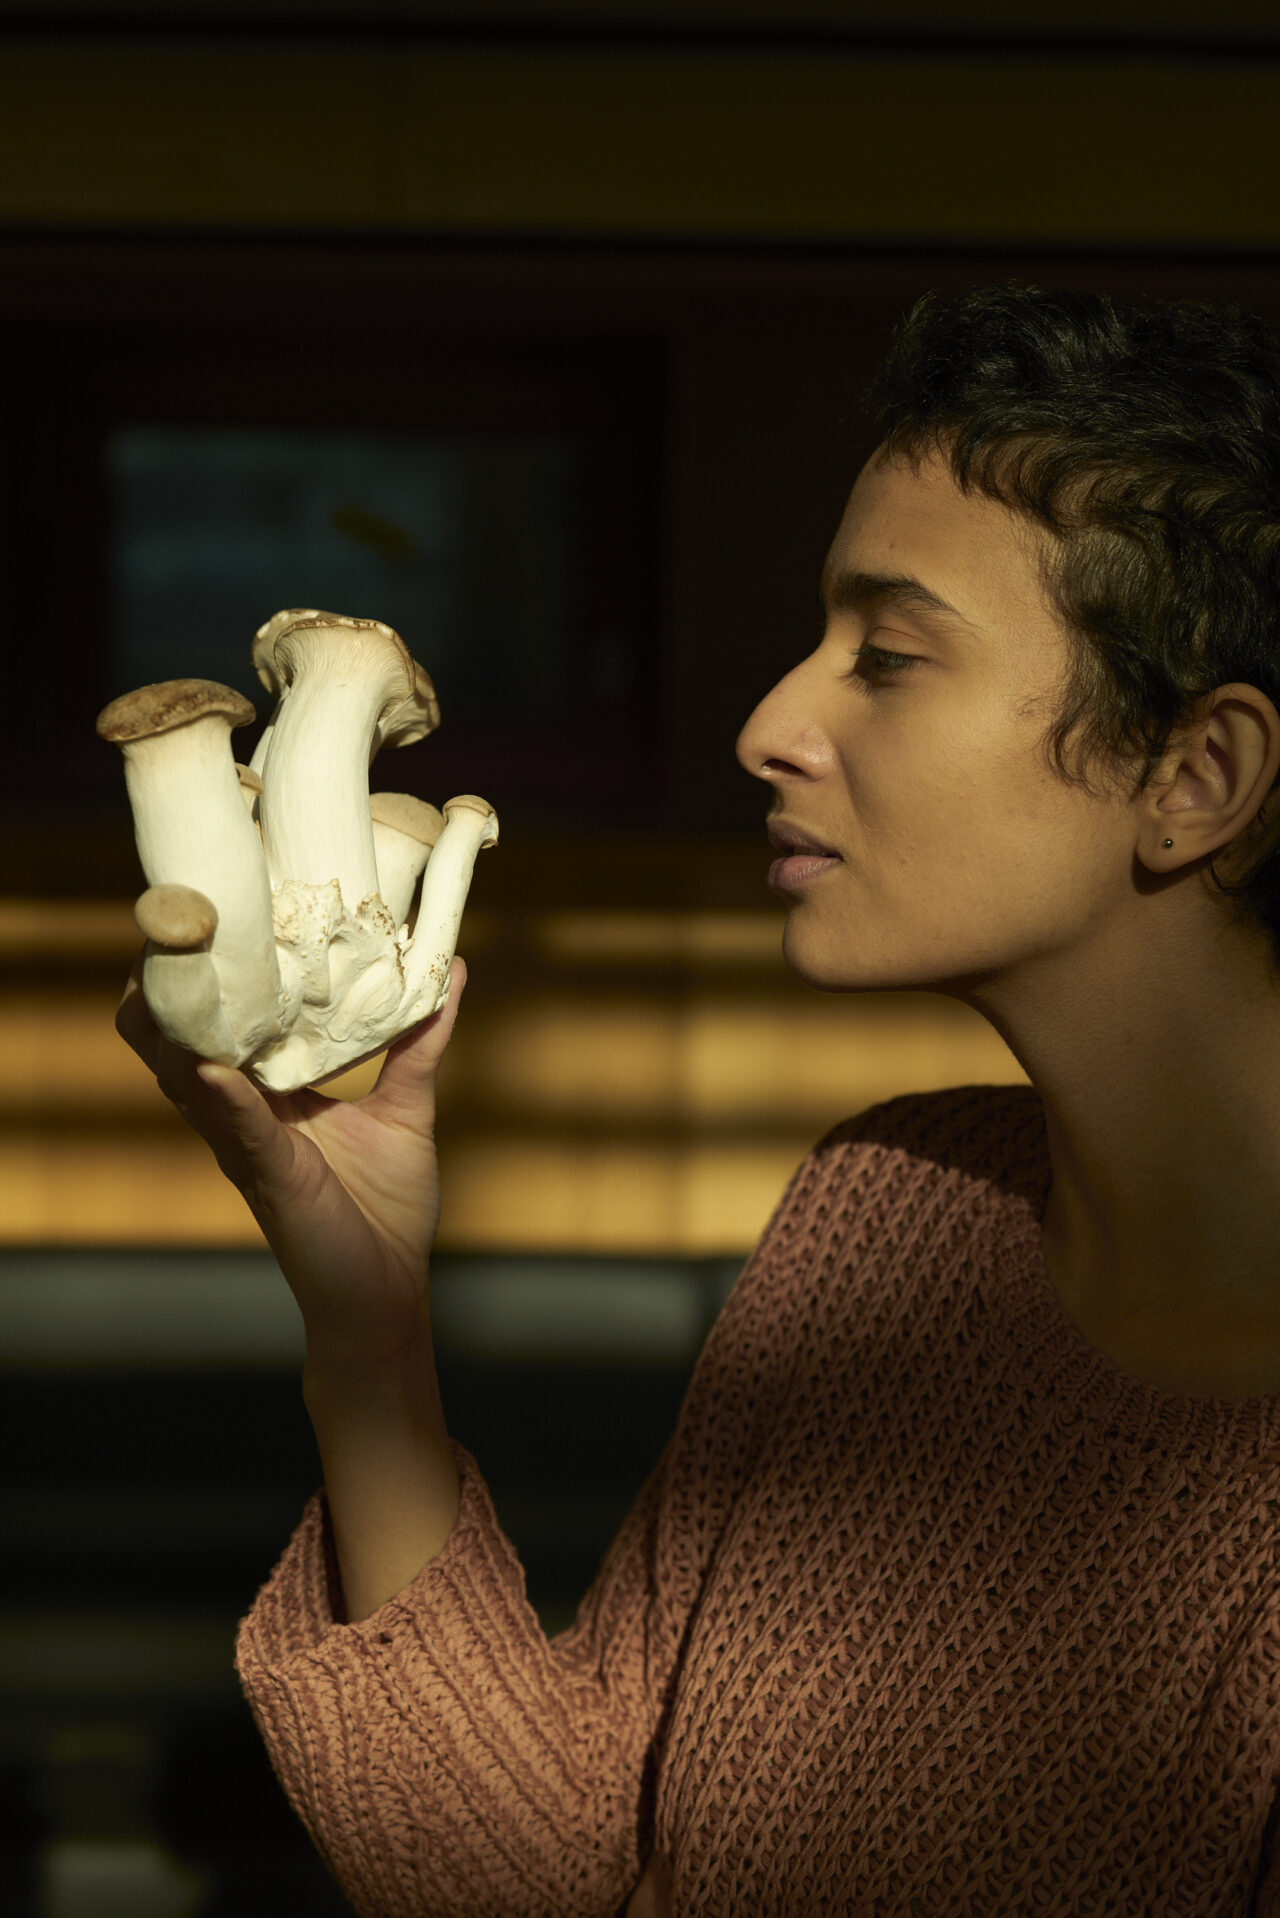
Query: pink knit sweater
(925,1608)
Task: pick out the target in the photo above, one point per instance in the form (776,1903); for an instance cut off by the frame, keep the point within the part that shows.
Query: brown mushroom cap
(167,704)
(176,916)
(413,817)
(471,802)
(250,781)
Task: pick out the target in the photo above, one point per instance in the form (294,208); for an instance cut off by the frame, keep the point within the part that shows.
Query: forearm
(389,1475)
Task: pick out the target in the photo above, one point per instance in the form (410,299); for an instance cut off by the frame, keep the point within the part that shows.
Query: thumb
(409,1069)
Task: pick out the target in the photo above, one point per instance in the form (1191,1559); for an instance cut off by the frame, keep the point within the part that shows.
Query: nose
(783,738)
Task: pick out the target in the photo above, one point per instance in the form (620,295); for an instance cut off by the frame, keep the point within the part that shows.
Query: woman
(953,1590)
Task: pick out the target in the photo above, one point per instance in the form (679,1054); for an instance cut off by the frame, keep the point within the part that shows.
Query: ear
(1215,780)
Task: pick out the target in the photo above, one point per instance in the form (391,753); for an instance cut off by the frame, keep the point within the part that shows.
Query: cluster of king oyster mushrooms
(279,911)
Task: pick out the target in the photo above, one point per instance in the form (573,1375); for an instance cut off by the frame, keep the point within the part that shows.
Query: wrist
(366,1360)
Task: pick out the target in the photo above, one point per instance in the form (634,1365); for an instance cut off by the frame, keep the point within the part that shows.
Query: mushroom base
(345,973)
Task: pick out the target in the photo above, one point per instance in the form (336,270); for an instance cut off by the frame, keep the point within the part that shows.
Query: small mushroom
(341,680)
(179,978)
(176,917)
(404,831)
(469,825)
(194,831)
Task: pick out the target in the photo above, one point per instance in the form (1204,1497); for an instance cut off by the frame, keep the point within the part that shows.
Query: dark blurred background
(538,329)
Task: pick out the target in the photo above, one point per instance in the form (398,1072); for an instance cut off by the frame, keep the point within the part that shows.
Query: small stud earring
(1168,842)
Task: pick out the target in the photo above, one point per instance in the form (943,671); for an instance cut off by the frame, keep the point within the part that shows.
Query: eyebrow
(848,591)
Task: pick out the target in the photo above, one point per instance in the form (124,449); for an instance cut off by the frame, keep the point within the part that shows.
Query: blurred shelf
(97,1310)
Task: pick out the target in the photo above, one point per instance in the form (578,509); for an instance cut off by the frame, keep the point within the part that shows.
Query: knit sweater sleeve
(444,1755)
(1266,1890)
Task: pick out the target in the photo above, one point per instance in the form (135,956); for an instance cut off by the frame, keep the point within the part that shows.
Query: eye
(880,662)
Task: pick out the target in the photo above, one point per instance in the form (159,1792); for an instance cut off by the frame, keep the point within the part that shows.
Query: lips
(787,838)
(804,861)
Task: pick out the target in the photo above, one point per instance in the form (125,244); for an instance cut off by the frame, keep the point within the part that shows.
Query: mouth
(788,838)
(803,860)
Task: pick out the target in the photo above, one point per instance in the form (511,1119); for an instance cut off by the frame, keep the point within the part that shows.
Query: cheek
(916,790)
(962,806)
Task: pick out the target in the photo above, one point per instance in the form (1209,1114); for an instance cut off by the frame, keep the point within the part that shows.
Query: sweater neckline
(1090,1387)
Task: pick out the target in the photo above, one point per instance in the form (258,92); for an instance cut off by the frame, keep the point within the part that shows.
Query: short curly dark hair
(1146,438)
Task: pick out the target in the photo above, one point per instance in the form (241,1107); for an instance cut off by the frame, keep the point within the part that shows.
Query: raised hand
(346,1192)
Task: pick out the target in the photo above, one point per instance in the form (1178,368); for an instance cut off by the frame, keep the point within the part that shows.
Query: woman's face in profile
(910,744)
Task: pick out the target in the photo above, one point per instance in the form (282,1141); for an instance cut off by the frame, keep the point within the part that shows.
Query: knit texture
(926,1607)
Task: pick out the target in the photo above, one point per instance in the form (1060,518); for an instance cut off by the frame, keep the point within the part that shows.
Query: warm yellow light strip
(790,1058)
(103,929)
(692,1197)
(61,1188)
(61,928)
(697,939)
(663,1121)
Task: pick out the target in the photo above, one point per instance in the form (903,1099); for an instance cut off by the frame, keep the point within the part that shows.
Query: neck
(1158,1062)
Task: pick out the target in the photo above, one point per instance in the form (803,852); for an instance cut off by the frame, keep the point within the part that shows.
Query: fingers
(216,1101)
(134,1022)
(250,1144)
(228,1110)
(409,1069)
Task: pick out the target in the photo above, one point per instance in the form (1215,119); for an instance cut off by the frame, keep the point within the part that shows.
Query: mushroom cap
(411,717)
(167,704)
(471,802)
(249,779)
(415,716)
(177,916)
(264,642)
(413,817)
(285,651)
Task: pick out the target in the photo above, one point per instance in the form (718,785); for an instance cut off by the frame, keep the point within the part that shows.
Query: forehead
(970,551)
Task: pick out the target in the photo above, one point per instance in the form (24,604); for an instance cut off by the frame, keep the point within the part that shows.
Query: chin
(814,961)
(830,964)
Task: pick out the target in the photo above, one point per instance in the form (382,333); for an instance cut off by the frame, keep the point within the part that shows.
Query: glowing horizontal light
(696,1059)
(513,1193)
(82,928)
(618,1117)
(688,938)
(104,929)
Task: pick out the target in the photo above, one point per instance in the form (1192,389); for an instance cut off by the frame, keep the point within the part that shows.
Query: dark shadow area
(143,1508)
(219,1808)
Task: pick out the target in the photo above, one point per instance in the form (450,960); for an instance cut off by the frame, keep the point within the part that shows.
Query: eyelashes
(881,662)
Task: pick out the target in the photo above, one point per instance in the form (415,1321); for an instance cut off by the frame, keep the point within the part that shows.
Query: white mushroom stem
(342,676)
(264,665)
(404,831)
(193,830)
(259,756)
(469,824)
